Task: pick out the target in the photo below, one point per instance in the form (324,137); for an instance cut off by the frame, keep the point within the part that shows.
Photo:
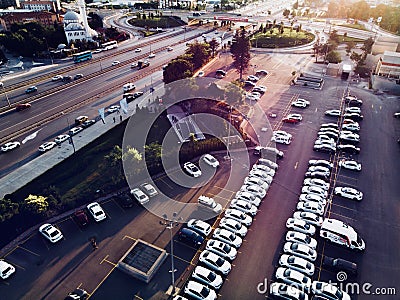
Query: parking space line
(101,282)
(110,262)
(118,205)
(322,259)
(104,259)
(341,206)
(224,189)
(20,267)
(11,251)
(29,251)
(128,237)
(136,296)
(182,259)
(296,164)
(342,216)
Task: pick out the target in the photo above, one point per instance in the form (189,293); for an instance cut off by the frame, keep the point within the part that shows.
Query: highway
(52,113)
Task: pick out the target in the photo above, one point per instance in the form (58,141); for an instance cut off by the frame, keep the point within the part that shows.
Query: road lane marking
(21,267)
(27,250)
(182,259)
(296,165)
(101,282)
(348,208)
(340,215)
(128,237)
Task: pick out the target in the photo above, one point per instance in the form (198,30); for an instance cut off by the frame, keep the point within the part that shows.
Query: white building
(389,65)
(41,5)
(76,26)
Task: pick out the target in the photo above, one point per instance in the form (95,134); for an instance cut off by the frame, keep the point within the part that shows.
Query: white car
(325,139)
(192,169)
(116,62)
(238,216)
(312,189)
(6,269)
(300,250)
(244,206)
(215,262)
(350,165)
(149,189)
(170,49)
(318,169)
(349,136)
(228,237)
(266,169)
(207,277)
(297,117)
(281,140)
(300,226)
(96,211)
(61,138)
(200,74)
(47,146)
(294,278)
(348,192)
(302,238)
(199,291)
(251,97)
(329,290)
(199,226)
(297,263)
(316,182)
(152,55)
(249,197)
(222,249)
(10,146)
(113,108)
(255,190)
(283,291)
(313,198)
(281,133)
(301,103)
(351,127)
(320,162)
(253,78)
(51,233)
(262,175)
(234,226)
(330,125)
(309,217)
(260,89)
(75,130)
(57,78)
(314,207)
(256,181)
(267,162)
(333,113)
(138,50)
(211,160)
(354,110)
(140,196)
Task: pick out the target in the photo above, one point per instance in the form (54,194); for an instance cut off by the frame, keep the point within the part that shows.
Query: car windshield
(226,248)
(98,213)
(205,291)
(211,276)
(307,239)
(219,262)
(53,233)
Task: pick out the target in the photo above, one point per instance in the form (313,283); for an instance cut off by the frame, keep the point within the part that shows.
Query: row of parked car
(215,261)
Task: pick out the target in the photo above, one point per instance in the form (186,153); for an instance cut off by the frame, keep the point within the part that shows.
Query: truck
(346,69)
(143,63)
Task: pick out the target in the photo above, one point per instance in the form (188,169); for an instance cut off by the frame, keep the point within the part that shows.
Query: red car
(290,120)
(22,106)
(81,218)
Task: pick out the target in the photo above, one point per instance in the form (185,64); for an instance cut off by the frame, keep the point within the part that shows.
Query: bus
(341,233)
(82,56)
(109,45)
(309,81)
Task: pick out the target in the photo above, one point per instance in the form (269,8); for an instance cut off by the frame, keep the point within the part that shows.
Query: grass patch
(346,39)
(161,22)
(289,38)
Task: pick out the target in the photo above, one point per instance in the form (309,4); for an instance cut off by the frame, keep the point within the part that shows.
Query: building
(76,26)
(45,18)
(41,5)
(389,65)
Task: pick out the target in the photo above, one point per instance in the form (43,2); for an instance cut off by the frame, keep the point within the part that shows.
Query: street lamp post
(5,93)
(170,224)
(71,141)
(48,50)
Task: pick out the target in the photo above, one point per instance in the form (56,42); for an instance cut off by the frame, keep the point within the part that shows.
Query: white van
(340,233)
(129,86)
(281,139)
(210,203)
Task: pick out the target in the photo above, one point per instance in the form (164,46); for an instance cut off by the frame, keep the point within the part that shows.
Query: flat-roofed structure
(389,65)
(142,260)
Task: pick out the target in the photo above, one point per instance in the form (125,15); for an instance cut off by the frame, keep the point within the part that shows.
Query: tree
(317,49)
(200,53)
(333,57)
(350,45)
(334,37)
(7,209)
(233,94)
(36,205)
(286,12)
(213,46)
(178,68)
(296,5)
(240,50)
(367,47)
